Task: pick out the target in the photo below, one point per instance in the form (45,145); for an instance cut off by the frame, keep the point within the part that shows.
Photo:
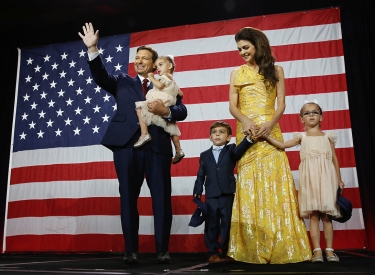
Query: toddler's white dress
(168,96)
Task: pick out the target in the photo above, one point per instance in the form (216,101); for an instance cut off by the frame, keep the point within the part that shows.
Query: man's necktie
(144,86)
(217,153)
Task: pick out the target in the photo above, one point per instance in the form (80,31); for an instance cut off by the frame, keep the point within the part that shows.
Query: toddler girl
(165,89)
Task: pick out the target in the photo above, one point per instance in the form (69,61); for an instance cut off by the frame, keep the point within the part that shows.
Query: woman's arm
(248,127)
(336,164)
(282,145)
(266,128)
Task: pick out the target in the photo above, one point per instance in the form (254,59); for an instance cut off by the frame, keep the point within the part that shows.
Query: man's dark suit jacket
(154,157)
(124,124)
(218,178)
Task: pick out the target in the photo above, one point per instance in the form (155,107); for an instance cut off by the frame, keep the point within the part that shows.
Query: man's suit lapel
(137,85)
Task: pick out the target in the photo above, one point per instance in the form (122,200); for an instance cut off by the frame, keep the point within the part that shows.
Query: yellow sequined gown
(266,226)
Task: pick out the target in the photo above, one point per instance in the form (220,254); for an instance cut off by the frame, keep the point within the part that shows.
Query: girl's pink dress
(318,181)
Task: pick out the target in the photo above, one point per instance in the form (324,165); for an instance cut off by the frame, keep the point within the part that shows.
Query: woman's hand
(249,128)
(264,130)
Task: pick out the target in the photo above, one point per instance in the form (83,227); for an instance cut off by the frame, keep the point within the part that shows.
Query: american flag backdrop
(62,189)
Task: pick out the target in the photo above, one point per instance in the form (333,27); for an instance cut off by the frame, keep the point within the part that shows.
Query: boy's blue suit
(152,159)
(220,185)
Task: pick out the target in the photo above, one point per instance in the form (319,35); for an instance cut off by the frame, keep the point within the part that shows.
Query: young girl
(165,89)
(319,177)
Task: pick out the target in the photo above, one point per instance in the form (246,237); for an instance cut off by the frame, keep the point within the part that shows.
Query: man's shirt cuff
(92,56)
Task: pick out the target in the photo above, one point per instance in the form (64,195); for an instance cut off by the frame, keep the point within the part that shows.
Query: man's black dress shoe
(163,258)
(131,258)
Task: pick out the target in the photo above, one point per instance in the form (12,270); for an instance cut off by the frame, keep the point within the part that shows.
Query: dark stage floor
(351,262)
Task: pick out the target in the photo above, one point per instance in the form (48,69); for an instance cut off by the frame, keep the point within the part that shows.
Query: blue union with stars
(58,104)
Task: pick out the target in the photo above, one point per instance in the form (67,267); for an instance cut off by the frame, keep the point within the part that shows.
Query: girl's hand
(342,185)
(249,128)
(150,75)
(264,130)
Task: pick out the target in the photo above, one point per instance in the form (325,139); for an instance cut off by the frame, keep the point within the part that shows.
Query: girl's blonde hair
(169,59)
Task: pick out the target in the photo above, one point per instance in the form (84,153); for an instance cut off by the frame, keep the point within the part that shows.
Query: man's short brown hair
(221,123)
(154,53)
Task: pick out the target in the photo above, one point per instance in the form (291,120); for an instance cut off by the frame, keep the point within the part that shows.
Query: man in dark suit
(220,185)
(152,160)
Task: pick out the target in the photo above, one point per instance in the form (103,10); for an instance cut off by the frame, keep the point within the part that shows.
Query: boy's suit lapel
(211,155)
(222,153)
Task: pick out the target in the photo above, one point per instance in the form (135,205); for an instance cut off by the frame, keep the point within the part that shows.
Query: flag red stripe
(344,155)
(346,239)
(332,120)
(230,27)
(312,50)
(99,243)
(64,172)
(294,86)
(95,170)
(354,239)
(207,61)
(315,84)
(181,205)
(189,166)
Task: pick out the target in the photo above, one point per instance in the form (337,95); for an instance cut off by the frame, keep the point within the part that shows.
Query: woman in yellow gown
(266,226)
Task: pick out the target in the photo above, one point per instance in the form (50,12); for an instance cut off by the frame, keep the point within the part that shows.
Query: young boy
(220,185)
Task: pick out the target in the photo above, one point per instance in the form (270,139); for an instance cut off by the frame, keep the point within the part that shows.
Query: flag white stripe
(220,110)
(348,175)
(334,101)
(194,147)
(62,155)
(344,139)
(83,154)
(226,43)
(99,188)
(309,34)
(111,225)
(313,67)
(292,69)
(355,222)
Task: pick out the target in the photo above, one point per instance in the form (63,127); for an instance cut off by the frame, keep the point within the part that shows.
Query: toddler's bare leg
(179,153)
(145,136)
(176,143)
